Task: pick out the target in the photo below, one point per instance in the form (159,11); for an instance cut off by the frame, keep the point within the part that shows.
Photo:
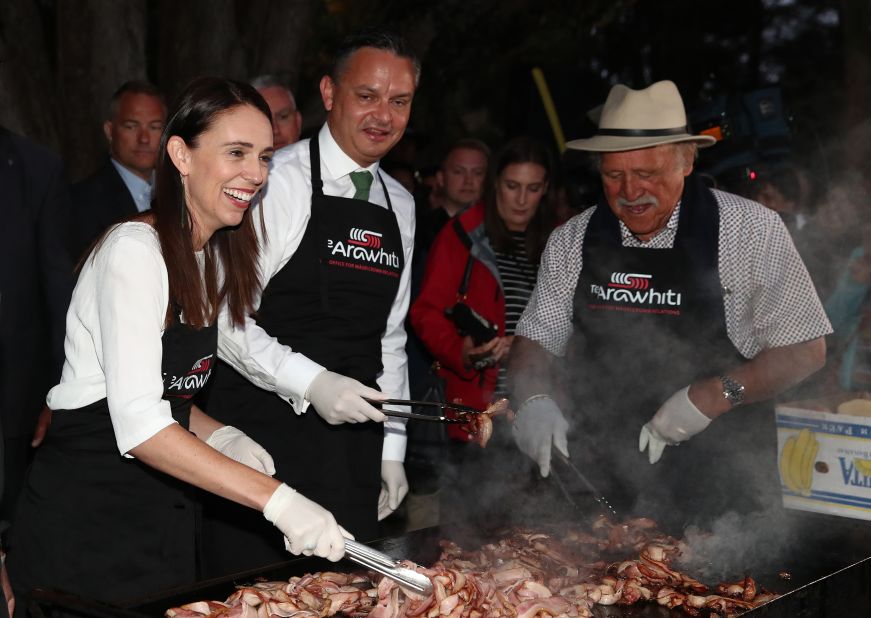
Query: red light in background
(715,132)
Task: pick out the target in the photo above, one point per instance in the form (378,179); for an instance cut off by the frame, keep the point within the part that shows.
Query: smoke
(732,523)
(736,545)
(836,225)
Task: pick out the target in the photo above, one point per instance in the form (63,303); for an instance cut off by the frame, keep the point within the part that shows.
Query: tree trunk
(101,44)
(278,30)
(198,37)
(28,95)
(856,20)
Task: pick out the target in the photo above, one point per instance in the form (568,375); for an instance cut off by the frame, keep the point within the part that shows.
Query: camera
(469,322)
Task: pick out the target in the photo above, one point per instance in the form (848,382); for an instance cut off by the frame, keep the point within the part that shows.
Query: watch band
(733,390)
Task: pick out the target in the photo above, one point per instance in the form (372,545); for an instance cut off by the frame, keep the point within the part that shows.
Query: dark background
(61,60)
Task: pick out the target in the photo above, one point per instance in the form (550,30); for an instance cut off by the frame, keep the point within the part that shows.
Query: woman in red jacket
(498,242)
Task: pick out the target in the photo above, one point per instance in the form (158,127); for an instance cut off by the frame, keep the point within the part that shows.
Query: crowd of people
(204,389)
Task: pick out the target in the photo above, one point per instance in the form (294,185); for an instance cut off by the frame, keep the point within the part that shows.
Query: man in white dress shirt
(335,261)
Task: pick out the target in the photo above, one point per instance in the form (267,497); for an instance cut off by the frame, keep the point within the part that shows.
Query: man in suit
(122,186)
(36,281)
(286,118)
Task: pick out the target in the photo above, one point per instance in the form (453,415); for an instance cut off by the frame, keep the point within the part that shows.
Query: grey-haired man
(684,305)
(286,117)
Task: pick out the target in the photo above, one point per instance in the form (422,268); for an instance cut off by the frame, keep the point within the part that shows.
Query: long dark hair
(520,150)
(194,112)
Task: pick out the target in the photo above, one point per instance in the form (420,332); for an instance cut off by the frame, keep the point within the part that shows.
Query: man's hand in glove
(538,425)
(340,400)
(394,487)
(308,528)
(676,421)
(236,445)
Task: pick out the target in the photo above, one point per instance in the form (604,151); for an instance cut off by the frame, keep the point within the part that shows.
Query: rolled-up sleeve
(769,297)
(132,296)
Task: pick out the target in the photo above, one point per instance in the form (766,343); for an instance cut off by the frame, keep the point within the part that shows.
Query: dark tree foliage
(477,56)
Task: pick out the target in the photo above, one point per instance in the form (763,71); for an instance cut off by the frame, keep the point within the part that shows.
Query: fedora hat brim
(611,143)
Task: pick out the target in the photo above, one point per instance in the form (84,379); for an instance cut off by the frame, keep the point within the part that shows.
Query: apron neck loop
(314,150)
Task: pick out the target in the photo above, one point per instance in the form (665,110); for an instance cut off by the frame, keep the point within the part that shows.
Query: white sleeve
(132,297)
(393,381)
(249,349)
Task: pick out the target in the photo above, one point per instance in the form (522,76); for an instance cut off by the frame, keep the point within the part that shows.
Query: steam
(737,545)
(499,486)
(835,228)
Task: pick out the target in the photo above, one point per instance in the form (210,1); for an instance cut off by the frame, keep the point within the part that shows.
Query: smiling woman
(224,169)
(141,341)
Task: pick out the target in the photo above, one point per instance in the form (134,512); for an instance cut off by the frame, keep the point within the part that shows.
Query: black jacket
(99,200)
(36,278)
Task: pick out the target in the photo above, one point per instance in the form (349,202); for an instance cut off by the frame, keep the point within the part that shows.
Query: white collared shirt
(140,190)
(286,210)
(113,344)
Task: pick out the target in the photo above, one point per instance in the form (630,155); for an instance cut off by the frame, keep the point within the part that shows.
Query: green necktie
(362,181)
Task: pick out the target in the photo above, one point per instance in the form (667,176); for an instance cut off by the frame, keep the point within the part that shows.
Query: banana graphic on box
(863,466)
(797,462)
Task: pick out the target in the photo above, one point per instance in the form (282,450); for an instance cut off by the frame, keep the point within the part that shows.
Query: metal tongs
(378,403)
(588,486)
(387,566)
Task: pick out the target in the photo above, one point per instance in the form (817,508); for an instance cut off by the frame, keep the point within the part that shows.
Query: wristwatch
(733,390)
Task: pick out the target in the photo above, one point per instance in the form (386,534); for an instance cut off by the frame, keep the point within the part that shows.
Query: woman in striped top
(499,243)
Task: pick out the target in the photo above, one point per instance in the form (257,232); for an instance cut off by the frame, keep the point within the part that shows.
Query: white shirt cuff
(293,378)
(394,442)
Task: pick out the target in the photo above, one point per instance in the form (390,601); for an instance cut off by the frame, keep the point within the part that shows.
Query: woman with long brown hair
(106,511)
(487,259)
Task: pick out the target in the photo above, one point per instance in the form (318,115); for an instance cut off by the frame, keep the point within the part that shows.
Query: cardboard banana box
(824,455)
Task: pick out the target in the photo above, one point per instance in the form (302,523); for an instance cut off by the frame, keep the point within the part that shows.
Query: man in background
(122,186)
(286,118)
(459,184)
(461,177)
(36,281)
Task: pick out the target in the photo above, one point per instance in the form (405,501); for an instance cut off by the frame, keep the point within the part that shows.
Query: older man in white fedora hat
(684,306)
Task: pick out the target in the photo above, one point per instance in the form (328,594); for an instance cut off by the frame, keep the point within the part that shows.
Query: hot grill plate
(829,562)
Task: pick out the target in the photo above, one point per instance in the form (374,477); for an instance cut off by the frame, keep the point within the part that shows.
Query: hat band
(643,132)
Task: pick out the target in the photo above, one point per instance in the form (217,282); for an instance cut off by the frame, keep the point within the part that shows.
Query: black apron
(649,322)
(330,302)
(100,525)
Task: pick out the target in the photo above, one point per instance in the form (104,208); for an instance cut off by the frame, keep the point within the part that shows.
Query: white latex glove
(308,528)
(340,400)
(394,487)
(538,424)
(676,421)
(236,445)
